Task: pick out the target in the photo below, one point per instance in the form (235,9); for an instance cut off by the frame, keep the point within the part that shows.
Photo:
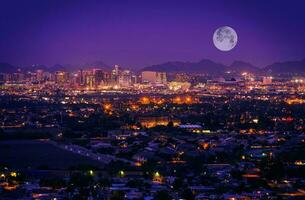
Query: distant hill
(68,67)
(203,66)
(96,64)
(241,66)
(33,68)
(287,67)
(210,67)
(7,68)
(59,67)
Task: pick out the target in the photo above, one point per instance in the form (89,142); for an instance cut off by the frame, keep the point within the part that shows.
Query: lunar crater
(225,38)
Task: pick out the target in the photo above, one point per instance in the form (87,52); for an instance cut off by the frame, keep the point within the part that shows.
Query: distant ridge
(7,68)
(241,66)
(96,64)
(203,66)
(210,67)
(297,67)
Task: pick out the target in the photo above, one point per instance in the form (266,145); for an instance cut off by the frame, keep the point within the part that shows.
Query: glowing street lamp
(107,106)
(157,178)
(91,173)
(121,173)
(13,174)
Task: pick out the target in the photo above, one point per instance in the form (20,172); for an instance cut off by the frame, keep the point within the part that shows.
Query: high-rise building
(181,77)
(134,79)
(116,73)
(267,80)
(125,78)
(89,80)
(17,77)
(154,77)
(39,75)
(116,70)
(61,77)
(80,77)
(106,77)
(4,77)
(98,77)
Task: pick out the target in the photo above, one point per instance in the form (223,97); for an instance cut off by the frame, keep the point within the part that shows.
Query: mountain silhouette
(288,67)
(7,68)
(204,66)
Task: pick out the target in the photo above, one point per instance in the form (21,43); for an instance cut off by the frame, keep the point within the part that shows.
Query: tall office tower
(134,79)
(4,77)
(32,76)
(181,77)
(161,77)
(116,69)
(39,75)
(80,77)
(125,78)
(89,80)
(116,73)
(106,77)
(17,77)
(154,77)
(98,77)
(74,79)
(61,77)
(267,80)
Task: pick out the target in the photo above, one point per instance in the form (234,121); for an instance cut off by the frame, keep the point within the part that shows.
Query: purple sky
(140,33)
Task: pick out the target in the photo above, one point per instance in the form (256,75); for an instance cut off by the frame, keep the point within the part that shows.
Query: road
(103,158)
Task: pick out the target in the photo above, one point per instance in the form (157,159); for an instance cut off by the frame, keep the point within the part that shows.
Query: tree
(170,124)
(134,183)
(117,195)
(81,180)
(55,183)
(178,183)
(162,195)
(104,182)
(187,194)
(237,174)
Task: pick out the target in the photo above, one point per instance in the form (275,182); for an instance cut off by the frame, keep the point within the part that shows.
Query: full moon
(225,38)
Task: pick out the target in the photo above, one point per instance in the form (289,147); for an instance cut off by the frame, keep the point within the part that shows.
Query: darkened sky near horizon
(140,33)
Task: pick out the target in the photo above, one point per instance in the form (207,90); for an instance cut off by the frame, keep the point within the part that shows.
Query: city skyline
(152,100)
(141,34)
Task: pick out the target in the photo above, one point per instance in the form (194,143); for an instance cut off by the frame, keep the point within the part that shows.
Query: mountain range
(8,68)
(203,66)
(289,66)
(211,67)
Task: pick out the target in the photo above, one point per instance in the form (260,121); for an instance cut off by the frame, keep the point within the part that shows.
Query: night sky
(136,34)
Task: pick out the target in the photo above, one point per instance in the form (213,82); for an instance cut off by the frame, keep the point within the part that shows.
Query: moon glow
(225,38)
